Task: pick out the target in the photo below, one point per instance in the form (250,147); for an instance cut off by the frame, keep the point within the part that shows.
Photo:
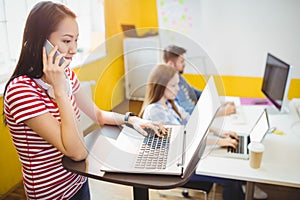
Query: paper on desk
(95,167)
(98,153)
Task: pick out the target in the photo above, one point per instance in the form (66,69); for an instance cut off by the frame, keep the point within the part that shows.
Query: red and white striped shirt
(43,174)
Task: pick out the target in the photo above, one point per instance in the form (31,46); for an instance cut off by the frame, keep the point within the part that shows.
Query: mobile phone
(49,47)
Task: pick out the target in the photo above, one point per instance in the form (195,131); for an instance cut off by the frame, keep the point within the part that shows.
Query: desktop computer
(276,83)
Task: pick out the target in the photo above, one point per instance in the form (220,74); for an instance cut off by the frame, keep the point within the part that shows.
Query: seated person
(159,105)
(187,95)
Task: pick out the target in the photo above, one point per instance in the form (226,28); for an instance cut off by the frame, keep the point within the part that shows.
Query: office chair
(202,186)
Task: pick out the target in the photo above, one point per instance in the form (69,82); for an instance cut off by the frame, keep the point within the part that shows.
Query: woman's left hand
(227,108)
(141,125)
(230,134)
(227,142)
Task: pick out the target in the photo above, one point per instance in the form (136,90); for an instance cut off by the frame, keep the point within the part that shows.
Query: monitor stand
(272,110)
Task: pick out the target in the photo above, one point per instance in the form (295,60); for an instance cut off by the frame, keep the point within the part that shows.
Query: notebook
(257,133)
(129,30)
(186,143)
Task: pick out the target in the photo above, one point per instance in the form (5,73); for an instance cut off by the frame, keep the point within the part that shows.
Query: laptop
(129,30)
(186,144)
(257,133)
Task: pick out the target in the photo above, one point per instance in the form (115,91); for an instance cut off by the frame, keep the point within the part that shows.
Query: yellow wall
(10,167)
(240,86)
(109,71)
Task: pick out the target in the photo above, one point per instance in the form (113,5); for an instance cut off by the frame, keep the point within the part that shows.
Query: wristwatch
(127,115)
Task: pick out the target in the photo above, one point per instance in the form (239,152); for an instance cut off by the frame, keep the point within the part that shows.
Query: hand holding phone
(48,87)
(49,47)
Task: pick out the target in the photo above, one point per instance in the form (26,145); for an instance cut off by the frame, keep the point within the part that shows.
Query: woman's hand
(227,142)
(141,125)
(229,138)
(227,108)
(230,134)
(53,73)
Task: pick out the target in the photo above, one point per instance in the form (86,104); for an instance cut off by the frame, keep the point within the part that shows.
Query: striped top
(43,174)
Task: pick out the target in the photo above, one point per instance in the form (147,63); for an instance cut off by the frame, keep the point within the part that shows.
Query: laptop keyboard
(154,151)
(239,148)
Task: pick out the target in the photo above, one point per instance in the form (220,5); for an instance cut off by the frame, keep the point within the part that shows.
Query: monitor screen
(276,81)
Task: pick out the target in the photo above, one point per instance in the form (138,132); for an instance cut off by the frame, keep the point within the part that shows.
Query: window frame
(85,54)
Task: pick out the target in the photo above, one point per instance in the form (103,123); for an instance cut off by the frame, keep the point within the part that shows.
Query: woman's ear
(171,63)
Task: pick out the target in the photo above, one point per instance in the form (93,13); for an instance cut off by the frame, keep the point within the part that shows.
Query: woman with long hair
(41,106)
(159,105)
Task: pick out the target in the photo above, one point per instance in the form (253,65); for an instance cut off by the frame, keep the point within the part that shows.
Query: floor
(109,191)
(121,192)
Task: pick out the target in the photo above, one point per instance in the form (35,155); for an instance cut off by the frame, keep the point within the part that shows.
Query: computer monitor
(276,83)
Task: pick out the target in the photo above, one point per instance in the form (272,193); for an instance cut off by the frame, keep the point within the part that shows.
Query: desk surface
(90,167)
(280,164)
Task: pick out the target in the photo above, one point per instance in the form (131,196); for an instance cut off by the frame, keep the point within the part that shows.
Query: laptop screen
(260,128)
(201,118)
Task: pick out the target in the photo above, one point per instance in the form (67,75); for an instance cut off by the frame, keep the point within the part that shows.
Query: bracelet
(127,115)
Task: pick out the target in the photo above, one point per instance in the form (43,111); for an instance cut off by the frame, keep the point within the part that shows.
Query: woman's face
(65,37)
(172,88)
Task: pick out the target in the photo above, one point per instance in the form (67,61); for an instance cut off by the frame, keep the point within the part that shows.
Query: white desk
(280,164)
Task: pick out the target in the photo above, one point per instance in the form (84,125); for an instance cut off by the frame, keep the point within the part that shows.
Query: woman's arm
(224,138)
(101,117)
(227,108)
(65,135)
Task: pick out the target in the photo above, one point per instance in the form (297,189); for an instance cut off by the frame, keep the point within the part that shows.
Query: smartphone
(49,47)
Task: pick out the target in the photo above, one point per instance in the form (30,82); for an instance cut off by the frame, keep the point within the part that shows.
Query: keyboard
(240,147)
(153,152)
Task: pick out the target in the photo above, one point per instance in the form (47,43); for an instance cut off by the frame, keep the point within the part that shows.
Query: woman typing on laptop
(187,97)
(159,105)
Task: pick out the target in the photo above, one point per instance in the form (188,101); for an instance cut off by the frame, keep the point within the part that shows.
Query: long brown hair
(42,20)
(156,86)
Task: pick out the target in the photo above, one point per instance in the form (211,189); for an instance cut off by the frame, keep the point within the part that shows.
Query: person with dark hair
(187,95)
(41,106)
(159,105)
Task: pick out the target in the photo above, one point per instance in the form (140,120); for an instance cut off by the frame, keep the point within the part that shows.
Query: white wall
(235,34)
(238,34)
